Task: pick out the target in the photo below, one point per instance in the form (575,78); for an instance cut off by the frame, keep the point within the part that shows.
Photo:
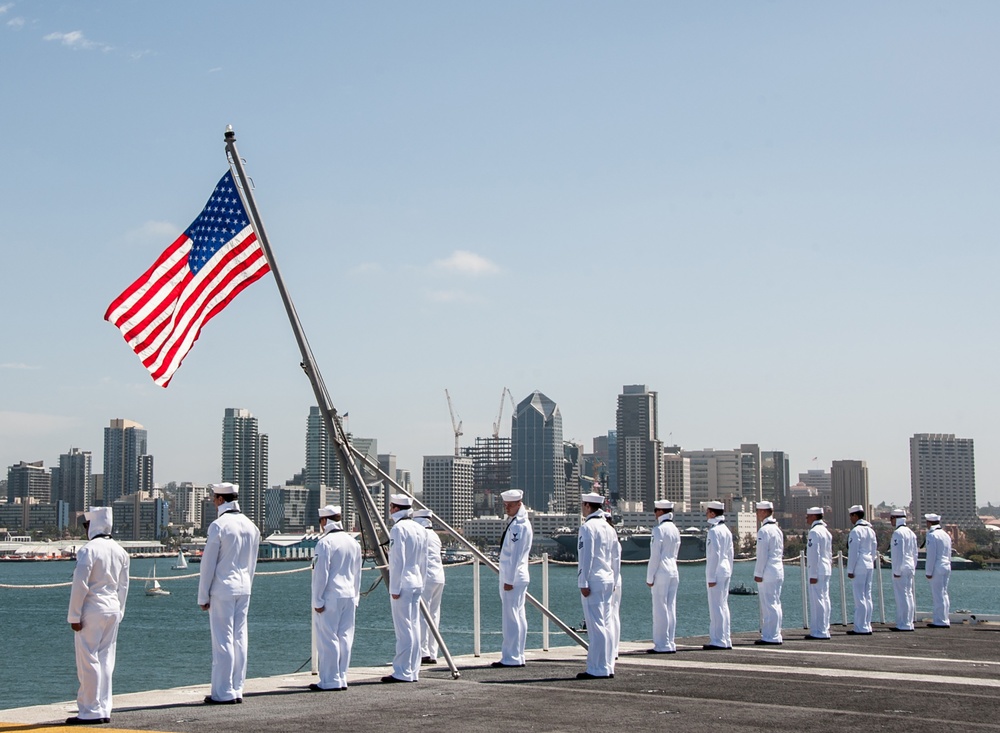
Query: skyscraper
(76,480)
(849,486)
(124,444)
(244,461)
(448,488)
(640,452)
(27,481)
(774,478)
(943,478)
(677,478)
(537,453)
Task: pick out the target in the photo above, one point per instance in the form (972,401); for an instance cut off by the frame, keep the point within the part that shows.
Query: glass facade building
(536,461)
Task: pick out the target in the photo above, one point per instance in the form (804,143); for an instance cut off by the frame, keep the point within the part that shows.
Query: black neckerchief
(231,511)
(102,536)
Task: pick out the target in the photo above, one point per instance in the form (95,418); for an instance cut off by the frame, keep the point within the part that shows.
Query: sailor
(228,563)
(599,571)
(769,574)
(662,577)
(336,591)
(937,568)
(861,549)
(407,571)
(616,596)
(515,547)
(96,607)
(718,572)
(433,587)
(904,563)
(819,559)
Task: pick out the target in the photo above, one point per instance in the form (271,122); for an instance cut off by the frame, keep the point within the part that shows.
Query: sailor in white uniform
(515,548)
(769,574)
(937,568)
(616,595)
(599,571)
(336,591)
(407,572)
(96,607)
(228,563)
(433,587)
(662,577)
(861,548)
(819,560)
(718,572)
(904,564)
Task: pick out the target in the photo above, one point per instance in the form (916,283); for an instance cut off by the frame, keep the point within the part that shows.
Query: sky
(781,216)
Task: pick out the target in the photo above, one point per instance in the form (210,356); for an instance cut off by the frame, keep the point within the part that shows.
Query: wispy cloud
(16,23)
(29,424)
(77,41)
(367,268)
(17,365)
(466,263)
(5,7)
(452,296)
(153,234)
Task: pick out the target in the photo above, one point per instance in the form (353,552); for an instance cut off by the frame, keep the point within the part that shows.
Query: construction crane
(456,427)
(496,425)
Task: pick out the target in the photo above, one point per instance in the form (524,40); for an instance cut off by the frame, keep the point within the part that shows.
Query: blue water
(164,641)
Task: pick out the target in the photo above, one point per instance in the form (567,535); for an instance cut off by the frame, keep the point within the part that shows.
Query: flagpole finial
(230,135)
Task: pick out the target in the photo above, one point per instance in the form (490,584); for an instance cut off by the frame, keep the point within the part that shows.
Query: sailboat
(153,587)
(182,562)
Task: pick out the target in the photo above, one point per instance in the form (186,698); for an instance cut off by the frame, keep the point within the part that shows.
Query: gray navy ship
(635,545)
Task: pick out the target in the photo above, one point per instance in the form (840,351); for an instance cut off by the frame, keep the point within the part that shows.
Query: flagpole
(362,498)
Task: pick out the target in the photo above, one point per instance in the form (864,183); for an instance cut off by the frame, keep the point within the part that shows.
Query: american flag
(161,314)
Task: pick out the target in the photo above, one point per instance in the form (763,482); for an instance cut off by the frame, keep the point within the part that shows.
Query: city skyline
(780,217)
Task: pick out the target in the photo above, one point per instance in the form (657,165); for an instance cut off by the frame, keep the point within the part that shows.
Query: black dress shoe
(209,700)
(810,637)
(389,679)
(657,651)
(761,642)
(852,632)
(714,647)
(501,664)
(589,676)
(428,660)
(316,688)
(938,626)
(896,628)
(77,720)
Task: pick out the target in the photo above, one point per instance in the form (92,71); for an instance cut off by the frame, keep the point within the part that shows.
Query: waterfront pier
(929,680)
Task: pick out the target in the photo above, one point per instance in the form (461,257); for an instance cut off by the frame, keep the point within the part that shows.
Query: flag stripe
(161,314)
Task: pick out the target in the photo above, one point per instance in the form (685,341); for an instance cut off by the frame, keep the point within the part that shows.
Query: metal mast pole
(363,500)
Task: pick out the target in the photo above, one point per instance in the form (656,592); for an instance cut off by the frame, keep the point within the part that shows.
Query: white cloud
(153,234)
(77,41)
(467,263)
(5,7)
(452,296)
(27,424)
(13,365)
(367,268)
(16,22)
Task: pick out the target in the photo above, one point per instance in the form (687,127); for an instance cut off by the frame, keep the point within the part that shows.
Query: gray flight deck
(938,680)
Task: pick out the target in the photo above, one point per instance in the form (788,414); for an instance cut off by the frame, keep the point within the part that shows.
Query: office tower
(447,486)
(819,480)
(244,461)
(491,474)
(124,443)
(943,479)
(137,517)
(536,453)
(774,478)
(29,481)
(716,475)
(849,486)
(640,476)
(750,472)
(76,479)
(606,463)
(323,478)
(573,470)
(677,478)
(187,505)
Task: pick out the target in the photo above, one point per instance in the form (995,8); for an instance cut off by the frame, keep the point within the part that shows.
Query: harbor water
(164,640)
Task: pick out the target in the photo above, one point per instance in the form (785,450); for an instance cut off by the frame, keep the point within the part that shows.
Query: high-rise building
(448,482)
(640,451)
(536,453)
(677,478)
(716,475)
(606,463)
(774,478)
(573,471)
(323,478)
(187,505)
(849,486)
(491,474)
(124,444)
(818,479)
(750,472)
(138,517)
(76,480)
(29,481)
(244,461)
(943,478)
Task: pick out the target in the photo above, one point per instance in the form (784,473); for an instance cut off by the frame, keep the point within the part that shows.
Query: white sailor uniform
(407,571)
(769,567)
(861,549)
(336,588)
(937,568)
(819,560)
(432,593)
(719,570)
(599,570)
(662,573)
(515,548)
(904,564)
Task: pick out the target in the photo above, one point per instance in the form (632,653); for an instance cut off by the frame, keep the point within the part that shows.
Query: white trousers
(514,624)
(227,617)
(406,622)
(432,597)
(902,589)
(334,639)
(769,594)
(600,634)
(664,611)
(939,596)
(819,607)
(718,614)
(861,586)
(95,663)
(616,620)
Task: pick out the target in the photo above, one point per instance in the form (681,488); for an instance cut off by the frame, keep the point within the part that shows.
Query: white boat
(153,587)
(182,562)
